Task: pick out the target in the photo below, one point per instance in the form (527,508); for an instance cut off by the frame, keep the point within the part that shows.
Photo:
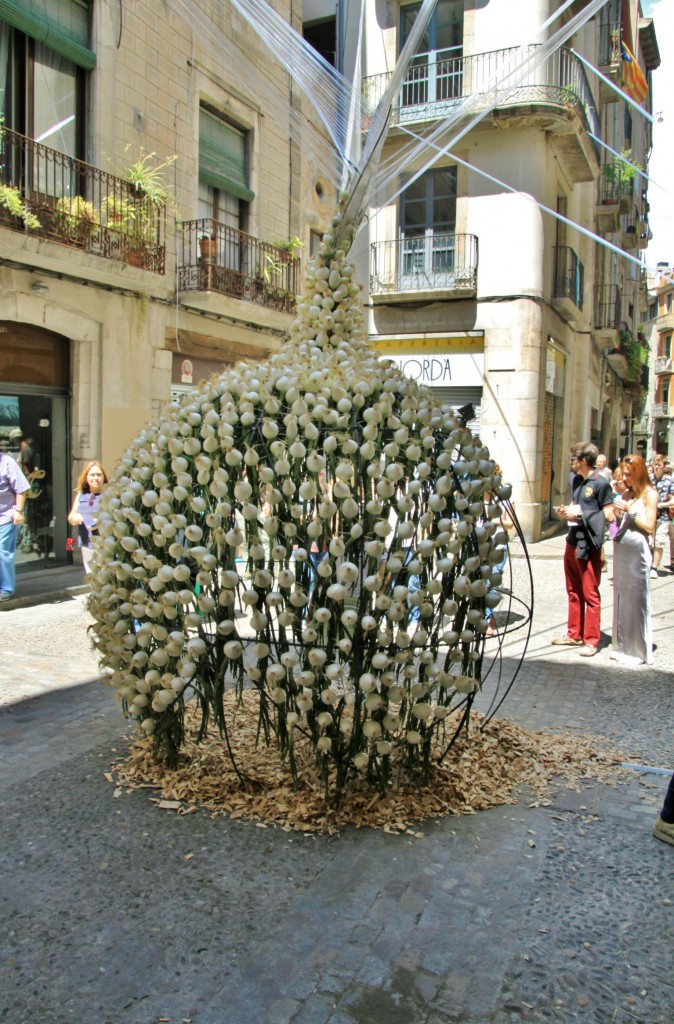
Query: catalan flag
(634,80)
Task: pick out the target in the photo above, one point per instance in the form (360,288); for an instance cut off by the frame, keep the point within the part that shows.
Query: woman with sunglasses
(636,510)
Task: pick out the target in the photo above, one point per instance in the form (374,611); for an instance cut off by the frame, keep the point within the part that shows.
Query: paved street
(114,912)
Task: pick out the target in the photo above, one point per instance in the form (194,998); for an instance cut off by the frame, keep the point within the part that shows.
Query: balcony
(629,231)
(663,364)
(437,265)
(81,206)
(660,410)
(641,426)
(665,323)
(568,283)
(607,306)
(610,58)
(214,257)
(615,197)
(557,92)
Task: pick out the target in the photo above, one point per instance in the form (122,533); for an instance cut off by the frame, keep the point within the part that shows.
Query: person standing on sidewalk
(636,509)
(664,531)
(590,509)
(13,487)
(84,513)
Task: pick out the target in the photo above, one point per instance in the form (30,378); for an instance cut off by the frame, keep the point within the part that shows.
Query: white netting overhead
(340,133)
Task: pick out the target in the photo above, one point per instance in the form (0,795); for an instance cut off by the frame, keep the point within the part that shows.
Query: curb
(30,600)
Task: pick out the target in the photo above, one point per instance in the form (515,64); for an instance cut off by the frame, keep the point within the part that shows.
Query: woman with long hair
(84,513)
(636,510)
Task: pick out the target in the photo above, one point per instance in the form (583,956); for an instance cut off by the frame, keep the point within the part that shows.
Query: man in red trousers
(590,510)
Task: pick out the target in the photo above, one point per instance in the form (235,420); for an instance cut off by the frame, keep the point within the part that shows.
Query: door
(428,240)
(435,74)
(33,430)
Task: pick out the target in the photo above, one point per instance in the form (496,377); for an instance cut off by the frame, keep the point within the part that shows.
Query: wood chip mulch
(483,770)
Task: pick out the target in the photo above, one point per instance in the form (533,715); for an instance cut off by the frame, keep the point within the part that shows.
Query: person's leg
(7,566)
(574,590)
(671,544)
(661,532)
(591,573)
(667,812)
(664,826)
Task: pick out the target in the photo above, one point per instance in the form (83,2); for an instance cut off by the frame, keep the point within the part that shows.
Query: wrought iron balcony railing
(424,263)
(663,364)
(80,205)
(607,307)
(215,257)
(432,87)
(660,410)
(569,276)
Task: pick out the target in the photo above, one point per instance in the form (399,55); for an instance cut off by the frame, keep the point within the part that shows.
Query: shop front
(34,429)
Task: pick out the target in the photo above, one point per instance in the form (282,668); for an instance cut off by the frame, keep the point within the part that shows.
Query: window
(668,303)
(42,86)
(322,35)
(436,73)
(653,310)
(224,194)
(427,225)
(223,171)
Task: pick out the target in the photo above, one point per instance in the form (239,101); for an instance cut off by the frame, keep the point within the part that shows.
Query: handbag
(621,527)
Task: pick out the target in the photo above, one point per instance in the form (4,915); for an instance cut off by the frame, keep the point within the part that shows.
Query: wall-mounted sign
(436,362)
(186,371)
(442,371)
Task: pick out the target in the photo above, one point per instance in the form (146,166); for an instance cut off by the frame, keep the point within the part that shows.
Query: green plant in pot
(75,219)
(273,263)
(619,175)
(12,201)
(135,215)
(208,247)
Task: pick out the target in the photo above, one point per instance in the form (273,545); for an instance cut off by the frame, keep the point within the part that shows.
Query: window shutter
(62,25)
(222,156)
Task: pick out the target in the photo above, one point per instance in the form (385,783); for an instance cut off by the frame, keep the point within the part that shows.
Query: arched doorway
(34,418)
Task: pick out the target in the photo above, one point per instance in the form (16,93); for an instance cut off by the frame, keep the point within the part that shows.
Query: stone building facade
(115,297)
(466,266)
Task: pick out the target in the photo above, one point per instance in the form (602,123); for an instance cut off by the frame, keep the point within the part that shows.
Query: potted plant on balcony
(75,219)
(273,263)
(619,176)
(134,216)
(11,201)
(288,248)
(208,248)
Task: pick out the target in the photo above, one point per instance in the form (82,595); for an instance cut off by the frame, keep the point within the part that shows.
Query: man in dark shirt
(590,509)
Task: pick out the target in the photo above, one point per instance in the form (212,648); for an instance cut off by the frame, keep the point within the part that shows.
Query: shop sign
(455,369)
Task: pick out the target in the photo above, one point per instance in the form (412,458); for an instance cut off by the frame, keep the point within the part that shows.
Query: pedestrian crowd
(631,506)
(18,483)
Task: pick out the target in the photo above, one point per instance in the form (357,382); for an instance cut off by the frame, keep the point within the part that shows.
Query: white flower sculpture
(324,450)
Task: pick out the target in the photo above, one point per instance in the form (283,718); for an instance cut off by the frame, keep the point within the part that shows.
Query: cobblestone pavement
(113,912)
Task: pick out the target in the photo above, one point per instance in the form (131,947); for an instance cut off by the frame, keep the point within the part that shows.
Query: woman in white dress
(636,512)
